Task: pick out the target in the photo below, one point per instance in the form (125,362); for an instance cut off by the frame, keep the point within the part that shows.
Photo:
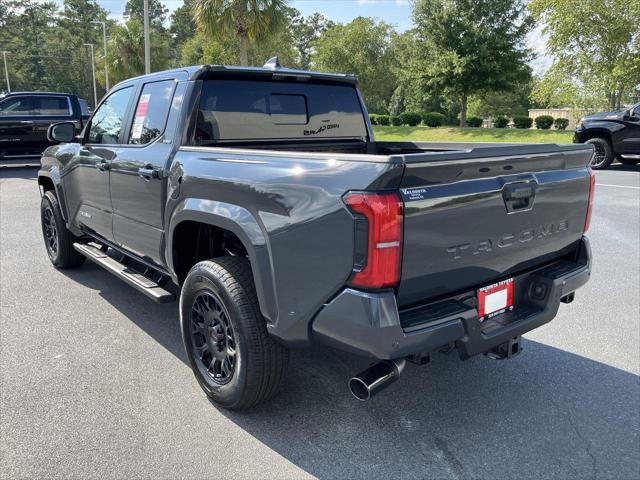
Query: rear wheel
(57,238)
(603,156)
(235,361)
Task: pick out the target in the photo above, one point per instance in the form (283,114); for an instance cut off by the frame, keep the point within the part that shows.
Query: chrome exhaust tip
(377,377)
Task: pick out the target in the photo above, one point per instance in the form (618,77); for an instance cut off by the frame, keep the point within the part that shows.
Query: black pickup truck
(613,135)
(260,198)
(25,118)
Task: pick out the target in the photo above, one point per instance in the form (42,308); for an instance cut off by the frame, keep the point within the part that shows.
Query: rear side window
(15,106)
(45,106)
(232,110)
(151,112)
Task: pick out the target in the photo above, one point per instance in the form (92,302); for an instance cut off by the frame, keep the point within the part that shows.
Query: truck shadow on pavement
(547,413)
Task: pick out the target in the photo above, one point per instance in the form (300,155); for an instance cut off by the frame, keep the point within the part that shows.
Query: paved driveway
(94,382)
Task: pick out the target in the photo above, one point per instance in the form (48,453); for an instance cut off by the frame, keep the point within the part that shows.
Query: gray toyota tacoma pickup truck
(260,198)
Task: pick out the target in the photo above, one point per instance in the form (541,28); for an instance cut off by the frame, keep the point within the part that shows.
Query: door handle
(103,166)
(148,172)
(519,196)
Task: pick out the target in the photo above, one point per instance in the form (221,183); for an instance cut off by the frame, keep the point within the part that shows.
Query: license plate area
(495,299)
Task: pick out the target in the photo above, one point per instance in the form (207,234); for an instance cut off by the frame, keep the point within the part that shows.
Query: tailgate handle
(519,197)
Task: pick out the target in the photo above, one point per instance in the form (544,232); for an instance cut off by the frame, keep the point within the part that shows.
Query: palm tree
(249,20)
(125,51)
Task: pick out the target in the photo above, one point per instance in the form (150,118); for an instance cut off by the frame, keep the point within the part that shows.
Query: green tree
(500,103)
(125,52)
(134,10)
(596,44)
(183,25)
(249,21)
(363,47)
(472,46)
(29,27)
(305,31)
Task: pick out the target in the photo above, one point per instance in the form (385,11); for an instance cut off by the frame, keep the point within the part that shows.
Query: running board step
(138,281)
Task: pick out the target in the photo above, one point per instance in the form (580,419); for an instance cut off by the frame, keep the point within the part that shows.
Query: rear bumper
(370,324)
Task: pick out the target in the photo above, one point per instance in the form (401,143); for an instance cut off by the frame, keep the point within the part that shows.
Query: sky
(396,12)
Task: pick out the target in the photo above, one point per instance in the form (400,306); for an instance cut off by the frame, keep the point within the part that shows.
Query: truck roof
(270,69)
(10,94)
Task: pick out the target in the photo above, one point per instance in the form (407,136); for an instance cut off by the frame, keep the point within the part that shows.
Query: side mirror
(63,132)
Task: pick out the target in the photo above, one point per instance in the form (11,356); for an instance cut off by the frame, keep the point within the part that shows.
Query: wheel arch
(49,180)
(595,133)
(193,218)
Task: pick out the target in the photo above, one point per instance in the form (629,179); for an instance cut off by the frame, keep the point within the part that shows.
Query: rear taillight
(382,214)
(592,187)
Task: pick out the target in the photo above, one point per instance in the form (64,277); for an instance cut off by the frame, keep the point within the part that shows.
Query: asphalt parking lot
(94,382)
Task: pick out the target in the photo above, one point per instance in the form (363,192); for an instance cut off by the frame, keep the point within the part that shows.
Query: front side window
(16,107)
(51,106)
(151,112)
(106,123)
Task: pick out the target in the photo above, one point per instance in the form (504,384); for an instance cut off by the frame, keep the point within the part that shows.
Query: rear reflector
(383,212)
(592,187)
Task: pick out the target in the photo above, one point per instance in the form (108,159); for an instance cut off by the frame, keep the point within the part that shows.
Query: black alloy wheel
(50,232)
(212,338)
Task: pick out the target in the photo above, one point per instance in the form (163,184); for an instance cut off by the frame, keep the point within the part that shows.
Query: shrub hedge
(395,120)
(410,118)
(500,122)
(522,122)
(433,119)
(544,122)
(561,123)
(474,122)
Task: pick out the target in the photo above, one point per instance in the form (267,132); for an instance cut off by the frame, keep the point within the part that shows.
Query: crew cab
(25,118)
(260,199)
(613,135)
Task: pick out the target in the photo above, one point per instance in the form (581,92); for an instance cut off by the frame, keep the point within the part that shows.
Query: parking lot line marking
(617,186)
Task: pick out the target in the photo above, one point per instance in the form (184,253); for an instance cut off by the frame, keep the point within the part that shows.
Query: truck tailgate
(475,217)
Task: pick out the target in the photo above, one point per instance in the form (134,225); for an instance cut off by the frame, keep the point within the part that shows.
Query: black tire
(58,240)
(603,155)
(255,365)
(628,161)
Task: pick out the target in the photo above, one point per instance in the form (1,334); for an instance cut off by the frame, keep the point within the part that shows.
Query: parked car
(25,118)
(260,198)
(613,134)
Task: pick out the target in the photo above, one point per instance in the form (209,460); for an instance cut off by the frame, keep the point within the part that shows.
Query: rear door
(16,127)
(86,180)
(473,218)
(137,174)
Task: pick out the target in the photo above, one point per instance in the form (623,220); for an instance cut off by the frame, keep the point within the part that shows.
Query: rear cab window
(232,111)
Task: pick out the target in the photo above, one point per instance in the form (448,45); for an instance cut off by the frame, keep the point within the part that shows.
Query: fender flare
(244,225)
(53,174)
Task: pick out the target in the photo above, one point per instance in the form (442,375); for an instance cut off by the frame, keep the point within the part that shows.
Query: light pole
(147,54)
(104,44)
(6,70)
(93,73)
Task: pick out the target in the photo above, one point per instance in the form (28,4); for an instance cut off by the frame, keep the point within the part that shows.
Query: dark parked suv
(613,135)
(25,118)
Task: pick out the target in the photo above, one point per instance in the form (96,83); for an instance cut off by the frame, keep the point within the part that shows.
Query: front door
(630,136)
(138,174)
(86,181)
(16,127)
